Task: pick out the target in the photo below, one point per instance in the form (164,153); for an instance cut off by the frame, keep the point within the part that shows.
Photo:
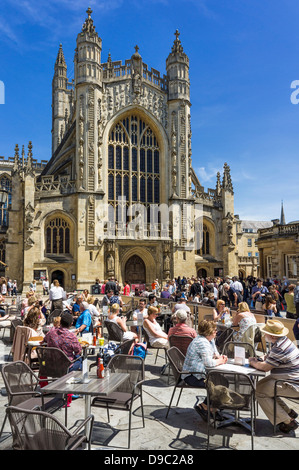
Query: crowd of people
(80,313)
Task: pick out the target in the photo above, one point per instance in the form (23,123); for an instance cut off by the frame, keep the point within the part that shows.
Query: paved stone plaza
(182,431)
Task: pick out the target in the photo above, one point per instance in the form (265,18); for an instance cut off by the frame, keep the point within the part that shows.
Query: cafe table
(71,383)
(230,367)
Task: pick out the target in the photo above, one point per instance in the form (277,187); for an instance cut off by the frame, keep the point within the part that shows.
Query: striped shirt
(200,354)
(284,357)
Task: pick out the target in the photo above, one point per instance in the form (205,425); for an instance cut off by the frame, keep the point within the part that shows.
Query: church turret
(177,66)
(89,123)
(88,53)
(60,99)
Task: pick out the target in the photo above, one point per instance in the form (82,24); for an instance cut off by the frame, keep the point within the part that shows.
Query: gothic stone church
(121,140)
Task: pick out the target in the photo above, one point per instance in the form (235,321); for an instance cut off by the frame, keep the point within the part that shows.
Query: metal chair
(176,360)
(22,387)
(54,314)
(223,335)
(125,347)
(253,336)
(115,333)
(53,362)
(231,391)
(180,342)
(38,430)
(14,323)
(291,397)
(129,391)
(229,347)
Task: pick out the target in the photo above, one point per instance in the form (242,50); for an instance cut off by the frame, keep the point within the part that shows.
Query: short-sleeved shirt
(65,340)
(84,319)
(200,354)
(284,357)
(182,329)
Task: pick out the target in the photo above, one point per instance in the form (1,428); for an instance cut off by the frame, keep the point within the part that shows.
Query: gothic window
(57,236)
(133,163)
(5,183)
(2,250)
(204,238)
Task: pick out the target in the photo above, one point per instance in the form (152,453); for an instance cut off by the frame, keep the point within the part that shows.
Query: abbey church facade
(119,196)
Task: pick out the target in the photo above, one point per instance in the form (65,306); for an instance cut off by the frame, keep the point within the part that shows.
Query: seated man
(181,328)
(84,321)
(65,340)
(283,364)
(141,309)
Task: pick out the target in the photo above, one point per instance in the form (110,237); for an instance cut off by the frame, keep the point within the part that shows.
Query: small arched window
(57,236)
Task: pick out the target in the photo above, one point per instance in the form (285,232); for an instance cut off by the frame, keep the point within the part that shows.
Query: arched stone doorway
(202,273)
(135,272)
(59,275)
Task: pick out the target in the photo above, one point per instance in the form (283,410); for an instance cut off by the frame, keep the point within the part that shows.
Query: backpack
(139,349)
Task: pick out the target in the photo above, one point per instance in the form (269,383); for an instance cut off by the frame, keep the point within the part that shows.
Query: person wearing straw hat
(283,364)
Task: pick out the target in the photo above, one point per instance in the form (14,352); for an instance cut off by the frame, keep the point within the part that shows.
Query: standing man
(236,284)
(258,294)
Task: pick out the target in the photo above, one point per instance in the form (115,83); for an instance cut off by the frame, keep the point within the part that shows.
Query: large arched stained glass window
(133,163)
(57,236)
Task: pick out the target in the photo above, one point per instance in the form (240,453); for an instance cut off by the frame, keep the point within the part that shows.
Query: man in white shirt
(236,284)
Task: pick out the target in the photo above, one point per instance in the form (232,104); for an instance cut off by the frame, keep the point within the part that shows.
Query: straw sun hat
(274,328)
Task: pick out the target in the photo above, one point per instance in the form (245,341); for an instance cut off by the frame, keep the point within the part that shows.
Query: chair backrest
(229,349)
(251,334)
(176,360)
(53,362)
(36,430)
(124,348)
(180,342)
(222,337)
(208,317)
(115,333)
(132,365)
(56,313)
(14,323)
(21,337)
(18,377)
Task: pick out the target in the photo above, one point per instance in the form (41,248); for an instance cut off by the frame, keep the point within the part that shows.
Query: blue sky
(244,55)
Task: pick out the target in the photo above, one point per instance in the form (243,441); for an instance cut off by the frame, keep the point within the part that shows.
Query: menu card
(239,358)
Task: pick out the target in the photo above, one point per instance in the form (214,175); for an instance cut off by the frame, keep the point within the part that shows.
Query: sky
(244,60)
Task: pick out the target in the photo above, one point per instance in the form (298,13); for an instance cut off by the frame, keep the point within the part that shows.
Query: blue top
(85,319)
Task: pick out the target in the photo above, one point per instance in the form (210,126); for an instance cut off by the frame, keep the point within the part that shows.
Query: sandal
(202,412)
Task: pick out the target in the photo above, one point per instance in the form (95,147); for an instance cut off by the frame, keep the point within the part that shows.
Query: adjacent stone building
(279,249)
(119,196)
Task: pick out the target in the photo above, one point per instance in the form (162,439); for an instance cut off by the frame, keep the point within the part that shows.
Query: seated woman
(269,307)
(157,337)
(35,320)
(243,319)
(202,353)
(120,321)
(220,311)
(94,312)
